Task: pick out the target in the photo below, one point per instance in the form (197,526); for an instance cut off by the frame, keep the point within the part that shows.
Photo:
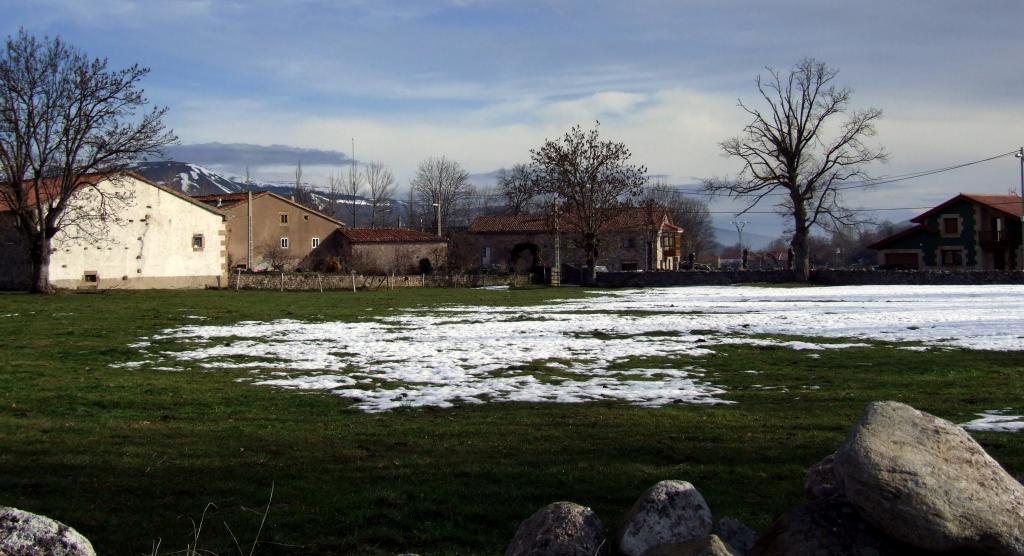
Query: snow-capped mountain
(190,179)
(193,179)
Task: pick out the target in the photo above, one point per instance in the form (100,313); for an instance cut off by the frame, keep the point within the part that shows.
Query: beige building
(386,250)
(156,238)
(266,230)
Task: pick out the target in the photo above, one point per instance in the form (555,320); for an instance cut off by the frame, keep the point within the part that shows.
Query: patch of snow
(473,354)
(9,315)
(995,420)
(493,288)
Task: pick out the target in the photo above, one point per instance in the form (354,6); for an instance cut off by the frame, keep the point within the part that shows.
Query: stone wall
(314,281)
(821,277)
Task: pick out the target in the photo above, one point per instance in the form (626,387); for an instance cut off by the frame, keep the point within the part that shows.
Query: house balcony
(997,238)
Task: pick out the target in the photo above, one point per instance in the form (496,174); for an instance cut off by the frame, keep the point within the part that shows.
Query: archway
(519,262)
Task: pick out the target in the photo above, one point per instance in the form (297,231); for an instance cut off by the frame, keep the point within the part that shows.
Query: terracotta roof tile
(388,235)
(521,224)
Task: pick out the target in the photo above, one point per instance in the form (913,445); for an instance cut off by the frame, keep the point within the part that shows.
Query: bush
(331,265)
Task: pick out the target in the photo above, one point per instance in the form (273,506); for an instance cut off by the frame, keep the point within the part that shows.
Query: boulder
(925,481)
(560,529)
(710,545)
(738,536)
(821,482)
(27,534)
(670,512)
(826,528)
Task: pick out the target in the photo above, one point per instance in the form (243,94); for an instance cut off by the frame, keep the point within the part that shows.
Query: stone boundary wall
(314,281)
(820,277)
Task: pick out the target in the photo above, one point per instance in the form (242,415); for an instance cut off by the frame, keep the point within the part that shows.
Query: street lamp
(438,205)
(1020,255)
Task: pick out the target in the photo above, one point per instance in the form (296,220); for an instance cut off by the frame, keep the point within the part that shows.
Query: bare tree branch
(784,147)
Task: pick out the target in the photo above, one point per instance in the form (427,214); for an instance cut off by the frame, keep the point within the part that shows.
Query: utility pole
(1020,252)
(438,205)
(740,224)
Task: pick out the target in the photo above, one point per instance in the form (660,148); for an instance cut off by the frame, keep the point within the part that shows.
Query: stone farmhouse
(969,231)
(266,230)
(387,250)
(637,240)
(158,239)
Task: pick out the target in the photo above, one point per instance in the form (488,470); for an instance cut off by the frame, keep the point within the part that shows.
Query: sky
(484,81)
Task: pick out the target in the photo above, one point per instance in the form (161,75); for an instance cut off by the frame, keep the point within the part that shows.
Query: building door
(998,259)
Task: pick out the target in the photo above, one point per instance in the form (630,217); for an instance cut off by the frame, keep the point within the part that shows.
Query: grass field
(131,455)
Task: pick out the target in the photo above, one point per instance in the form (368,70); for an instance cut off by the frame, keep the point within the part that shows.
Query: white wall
(150,248)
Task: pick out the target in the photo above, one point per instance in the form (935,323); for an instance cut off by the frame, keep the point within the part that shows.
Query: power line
(854,185)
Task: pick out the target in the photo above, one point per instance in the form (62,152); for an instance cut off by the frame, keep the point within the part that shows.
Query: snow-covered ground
(568,351)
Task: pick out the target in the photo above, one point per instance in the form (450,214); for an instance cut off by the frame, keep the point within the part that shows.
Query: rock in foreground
(27,534)
(560,529)
(926,482)
(670,512)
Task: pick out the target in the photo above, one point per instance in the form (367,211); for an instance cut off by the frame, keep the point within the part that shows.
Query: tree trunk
(801,262)
(40,257)
(590,247)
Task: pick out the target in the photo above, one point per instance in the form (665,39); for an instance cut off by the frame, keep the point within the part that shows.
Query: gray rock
(826,528)
(710,545)
(670,512)
(925,481)
(821,482)
(560,529)
(27,534)
(738,536)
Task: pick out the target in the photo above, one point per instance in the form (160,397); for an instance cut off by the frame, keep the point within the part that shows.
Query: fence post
(238,279)
(353,281)
(320,280)
(282,280)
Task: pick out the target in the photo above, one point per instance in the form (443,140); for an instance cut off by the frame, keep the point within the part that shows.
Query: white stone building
(158,239)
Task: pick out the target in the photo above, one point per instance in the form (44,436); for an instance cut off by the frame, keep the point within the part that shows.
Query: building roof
(913,230)
(96,178)
(229,200)
(619,220)
(388,235)
(519,224)
(1007,204)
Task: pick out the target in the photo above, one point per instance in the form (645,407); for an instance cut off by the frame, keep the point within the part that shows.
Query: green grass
(128,456)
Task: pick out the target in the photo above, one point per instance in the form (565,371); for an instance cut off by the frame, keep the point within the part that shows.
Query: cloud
(235,156)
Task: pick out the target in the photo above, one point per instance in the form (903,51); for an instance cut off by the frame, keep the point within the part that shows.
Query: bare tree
(354,189)
(381,184)
(786,148)
(301,193)
(66,123)
(592,179)
(516,186)
(334,186)
(442,185)
(274,255)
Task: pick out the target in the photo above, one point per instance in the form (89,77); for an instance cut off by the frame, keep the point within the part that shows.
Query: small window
(284,243)
(950,226)
(952,257)
(629,243)
(630,267)
(316,242)
(284,217)
(197,242)
(90,276)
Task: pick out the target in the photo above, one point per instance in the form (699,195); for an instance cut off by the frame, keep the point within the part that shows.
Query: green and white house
(967,232)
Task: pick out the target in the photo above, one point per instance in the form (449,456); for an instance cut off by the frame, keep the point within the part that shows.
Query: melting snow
(996,420)
(571,351)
